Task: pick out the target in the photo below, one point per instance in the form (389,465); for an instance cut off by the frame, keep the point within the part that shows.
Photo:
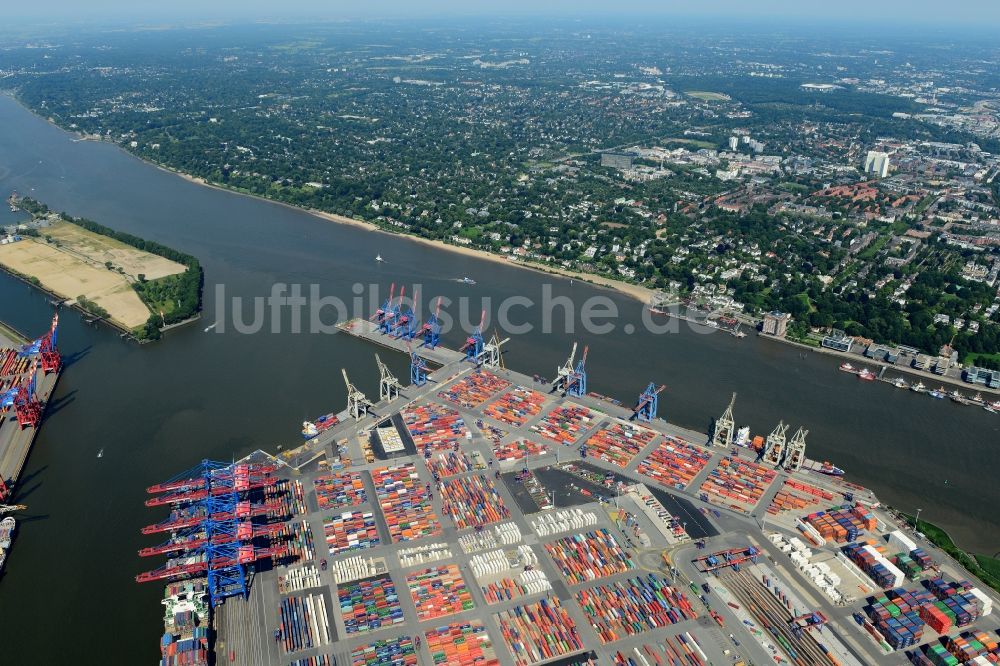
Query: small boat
(312,428)
(209,328)
(938,393)
(100,454)
(847,367)
(918,387)
(467,280)
(899,382)
(995,405)
(959,398)
(990,409)
(378,257)
(978,398)
(866,375)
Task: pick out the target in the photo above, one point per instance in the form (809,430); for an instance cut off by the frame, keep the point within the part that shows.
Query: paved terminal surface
(246,628)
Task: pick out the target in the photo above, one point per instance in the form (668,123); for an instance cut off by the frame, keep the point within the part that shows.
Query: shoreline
(637,292)
(922,374)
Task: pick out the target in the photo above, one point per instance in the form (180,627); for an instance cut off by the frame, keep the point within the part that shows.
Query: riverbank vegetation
(985,568)
(171,294)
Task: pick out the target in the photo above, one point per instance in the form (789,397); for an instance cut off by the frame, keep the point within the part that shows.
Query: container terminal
(29,371)
(477,515)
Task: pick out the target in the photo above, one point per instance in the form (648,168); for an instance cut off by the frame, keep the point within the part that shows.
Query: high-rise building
(776,323)
(877,163)
(618,160)
(734,142)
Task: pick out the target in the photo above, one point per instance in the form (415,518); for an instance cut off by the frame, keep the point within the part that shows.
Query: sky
(886,12)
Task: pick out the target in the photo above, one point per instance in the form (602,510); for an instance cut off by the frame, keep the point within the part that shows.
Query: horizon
(890,15)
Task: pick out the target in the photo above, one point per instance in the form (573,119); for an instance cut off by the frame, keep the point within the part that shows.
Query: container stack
(923,559)
(972,644)
(298,540)
(936,655)
(433,427)
(538,632)
(321,660)
(393,652)
(900,543)
(906,564)
(796,496)
(874,564)
(304,623)
(738,483)
(405,503)
(627,608)
(343,489)
(450,463)
(351,530)
(955,602)
(589,556)
(565,424)
(843,524)
(461,644)
(516,407)
(472,502)
(439,591)
(369,604)
(475,389)
(674,463)
(619,443)
(518,450)
(897,615)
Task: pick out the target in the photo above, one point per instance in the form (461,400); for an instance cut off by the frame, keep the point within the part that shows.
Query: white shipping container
(985,602)
(900,543)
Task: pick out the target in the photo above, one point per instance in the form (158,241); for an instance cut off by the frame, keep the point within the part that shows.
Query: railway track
(774,617)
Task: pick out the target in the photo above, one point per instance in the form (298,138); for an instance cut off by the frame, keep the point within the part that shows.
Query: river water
(69,593)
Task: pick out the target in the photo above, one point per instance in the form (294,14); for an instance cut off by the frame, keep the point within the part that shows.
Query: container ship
(312,428)
(7,526)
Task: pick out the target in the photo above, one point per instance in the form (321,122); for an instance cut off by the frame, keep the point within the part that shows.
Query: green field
(707,96)
(976,356)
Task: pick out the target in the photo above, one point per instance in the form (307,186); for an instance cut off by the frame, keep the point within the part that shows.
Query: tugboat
(847,367)
(899,382)
(866,375)
(918,387)
(957,397)
(938,393)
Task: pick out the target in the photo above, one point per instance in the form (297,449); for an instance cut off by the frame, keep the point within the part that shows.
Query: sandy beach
(638,292)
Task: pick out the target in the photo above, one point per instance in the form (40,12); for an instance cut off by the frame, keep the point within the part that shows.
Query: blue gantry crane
(577,382)
(648,404)
(431,330)
(473,346)
(405,326)
(418,369)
